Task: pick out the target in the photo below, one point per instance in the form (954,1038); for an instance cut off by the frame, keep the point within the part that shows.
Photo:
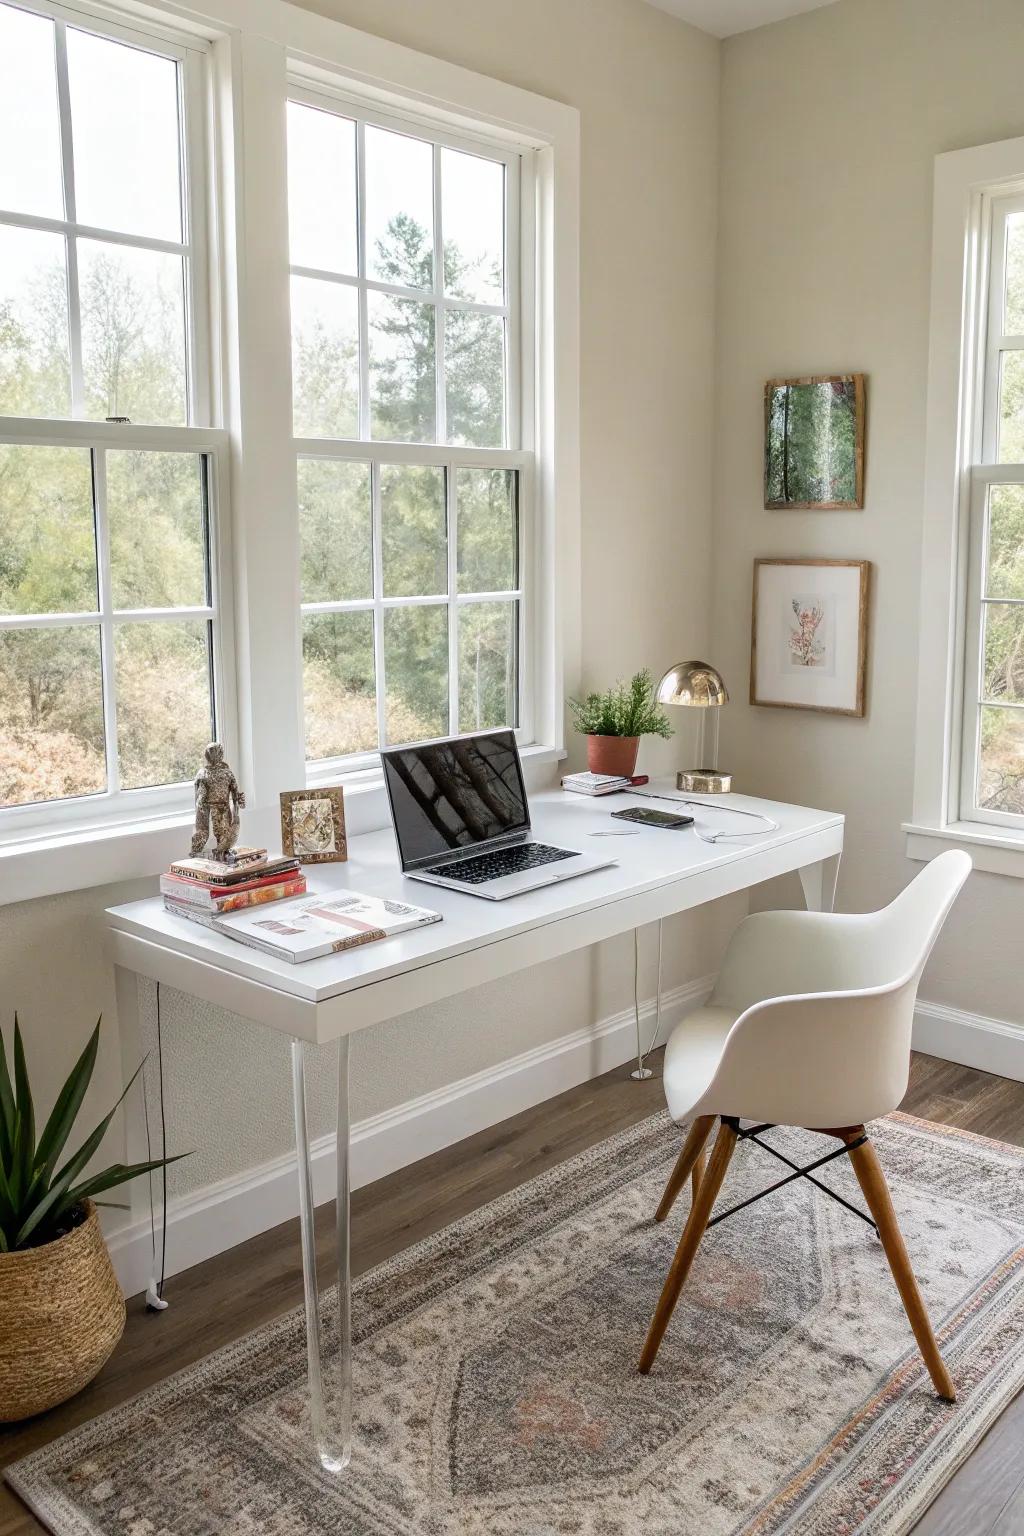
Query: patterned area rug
(496,1383)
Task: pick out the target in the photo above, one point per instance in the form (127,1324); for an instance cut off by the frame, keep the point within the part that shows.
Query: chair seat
(692,1055)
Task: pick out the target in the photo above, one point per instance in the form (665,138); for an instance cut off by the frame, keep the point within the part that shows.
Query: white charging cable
(712,805)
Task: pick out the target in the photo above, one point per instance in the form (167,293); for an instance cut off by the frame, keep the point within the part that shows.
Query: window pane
(402,380)
(473,221)
(1013,322)
(124,107)
(1005,577)
(30,175)
(1004,652)
(488,524)
(1011,408)
(335,530)
(340,699)
(413,530)
(35,372)
(474,365)
(164,713)
(51,745)
(321,190)
(1001,770)
(488,665)
(156,516)
(399,209)
(416,670)
(47,537)
(325,359)
(133,333)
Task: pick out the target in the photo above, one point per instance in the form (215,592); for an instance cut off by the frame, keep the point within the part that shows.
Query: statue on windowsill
(218,803)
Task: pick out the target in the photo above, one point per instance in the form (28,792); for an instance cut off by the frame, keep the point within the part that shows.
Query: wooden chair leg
(689,1157)
(700,1213)
(876,1192)
(697,1174)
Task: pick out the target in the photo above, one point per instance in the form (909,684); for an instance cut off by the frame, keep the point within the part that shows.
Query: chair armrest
(777,954)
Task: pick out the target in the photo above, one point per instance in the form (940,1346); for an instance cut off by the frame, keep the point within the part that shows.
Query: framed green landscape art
(814,442)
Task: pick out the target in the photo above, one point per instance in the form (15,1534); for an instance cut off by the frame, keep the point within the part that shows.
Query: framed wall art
(313,825)
(809,634)
(814,442)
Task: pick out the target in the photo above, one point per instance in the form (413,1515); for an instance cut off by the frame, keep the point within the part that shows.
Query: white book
(306,928)
(594,783)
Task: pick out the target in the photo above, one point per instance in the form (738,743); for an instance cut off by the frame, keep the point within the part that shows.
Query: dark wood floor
(985,1498)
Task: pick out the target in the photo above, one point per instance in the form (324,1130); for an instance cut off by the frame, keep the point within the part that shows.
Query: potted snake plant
(62,1308)
(614,721)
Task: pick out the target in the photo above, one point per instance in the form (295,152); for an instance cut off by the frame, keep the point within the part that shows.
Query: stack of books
(595,783)
(204,890)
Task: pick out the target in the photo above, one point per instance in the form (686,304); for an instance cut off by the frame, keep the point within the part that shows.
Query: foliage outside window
(410,475)
(993,755)
(106,595)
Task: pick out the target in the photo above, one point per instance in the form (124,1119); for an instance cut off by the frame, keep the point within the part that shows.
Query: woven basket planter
(62,1312)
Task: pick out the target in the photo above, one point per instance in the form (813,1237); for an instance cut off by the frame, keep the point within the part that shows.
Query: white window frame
(517,310)
(973,190)
(115,806)
(255,46)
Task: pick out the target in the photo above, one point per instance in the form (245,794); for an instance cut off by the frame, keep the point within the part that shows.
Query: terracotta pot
(612,754)
(63,1312)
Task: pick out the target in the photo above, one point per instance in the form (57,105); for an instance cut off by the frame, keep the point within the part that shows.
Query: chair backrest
(908,927)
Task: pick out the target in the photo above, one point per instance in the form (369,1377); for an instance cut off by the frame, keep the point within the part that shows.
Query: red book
(213,898)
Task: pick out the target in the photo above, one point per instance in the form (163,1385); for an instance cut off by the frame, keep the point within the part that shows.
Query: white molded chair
(809,1025)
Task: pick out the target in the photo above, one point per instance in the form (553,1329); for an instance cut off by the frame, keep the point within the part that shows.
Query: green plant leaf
(49,1205)
(23,1150)
(6,1108)
(65,1111)
(8,1210)
(117,1173)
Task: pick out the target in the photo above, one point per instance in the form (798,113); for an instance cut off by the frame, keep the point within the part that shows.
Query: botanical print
(806,634)
(813,438)
(313,827)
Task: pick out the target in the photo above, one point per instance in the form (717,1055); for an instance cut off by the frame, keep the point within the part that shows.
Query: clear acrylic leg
(331,1415)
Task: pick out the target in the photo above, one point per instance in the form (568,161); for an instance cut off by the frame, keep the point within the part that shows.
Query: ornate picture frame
(809,635)
(814,430)
(313,825)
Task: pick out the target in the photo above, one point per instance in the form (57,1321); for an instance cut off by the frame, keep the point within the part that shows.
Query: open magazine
(306,928)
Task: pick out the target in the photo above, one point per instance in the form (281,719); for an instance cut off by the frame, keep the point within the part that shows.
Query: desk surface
(653,860)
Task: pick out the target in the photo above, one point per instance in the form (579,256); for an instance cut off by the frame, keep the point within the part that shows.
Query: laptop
(462,820)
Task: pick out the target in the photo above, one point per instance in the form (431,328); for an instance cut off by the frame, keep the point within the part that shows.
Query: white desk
(658,873)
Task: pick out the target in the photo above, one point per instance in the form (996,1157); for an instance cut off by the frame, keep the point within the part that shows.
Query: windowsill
(76,858)
(993,851)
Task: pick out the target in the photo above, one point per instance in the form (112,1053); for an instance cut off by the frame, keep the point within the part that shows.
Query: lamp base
(703,781)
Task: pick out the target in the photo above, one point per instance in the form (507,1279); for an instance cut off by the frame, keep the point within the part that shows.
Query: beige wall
(830,124)
(647,90)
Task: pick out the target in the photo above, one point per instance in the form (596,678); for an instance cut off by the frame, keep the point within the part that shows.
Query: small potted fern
(614,721)
(62,1308)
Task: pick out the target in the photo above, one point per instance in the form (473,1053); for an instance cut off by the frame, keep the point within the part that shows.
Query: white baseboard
(227,1213)
(990,1045)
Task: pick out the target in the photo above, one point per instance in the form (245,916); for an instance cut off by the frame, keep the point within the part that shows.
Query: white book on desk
(307,928)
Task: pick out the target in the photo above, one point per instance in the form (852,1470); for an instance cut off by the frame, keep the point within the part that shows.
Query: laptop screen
(454,794)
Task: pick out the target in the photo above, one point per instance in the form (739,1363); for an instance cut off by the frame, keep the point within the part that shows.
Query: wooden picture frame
(839,460)
(809,635)
(313,825)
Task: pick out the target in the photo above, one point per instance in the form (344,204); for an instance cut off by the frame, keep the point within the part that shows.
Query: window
(992,785)
(411,466)
(107,464)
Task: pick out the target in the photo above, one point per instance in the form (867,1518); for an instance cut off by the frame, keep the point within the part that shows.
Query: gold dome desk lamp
(696,685)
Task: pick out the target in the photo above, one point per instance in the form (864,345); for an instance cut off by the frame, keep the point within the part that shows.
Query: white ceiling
(724,17)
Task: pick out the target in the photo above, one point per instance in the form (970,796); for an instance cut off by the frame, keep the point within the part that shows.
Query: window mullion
(107,636)
(441,399)
(453,607)
(378,593)
(364,316)
(67,156)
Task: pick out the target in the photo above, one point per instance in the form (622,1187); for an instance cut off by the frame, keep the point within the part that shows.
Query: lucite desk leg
(819,883)
(332,1417)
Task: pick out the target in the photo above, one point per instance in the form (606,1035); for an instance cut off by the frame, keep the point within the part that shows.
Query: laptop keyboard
(504,861)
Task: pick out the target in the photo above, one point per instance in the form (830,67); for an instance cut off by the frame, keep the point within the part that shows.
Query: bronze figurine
(218,802)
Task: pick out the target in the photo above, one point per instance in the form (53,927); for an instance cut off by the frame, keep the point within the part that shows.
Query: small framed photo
(809,635)
(313,825)
(814,442)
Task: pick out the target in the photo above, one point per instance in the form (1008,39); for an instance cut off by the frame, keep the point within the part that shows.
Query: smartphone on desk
(653,818)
